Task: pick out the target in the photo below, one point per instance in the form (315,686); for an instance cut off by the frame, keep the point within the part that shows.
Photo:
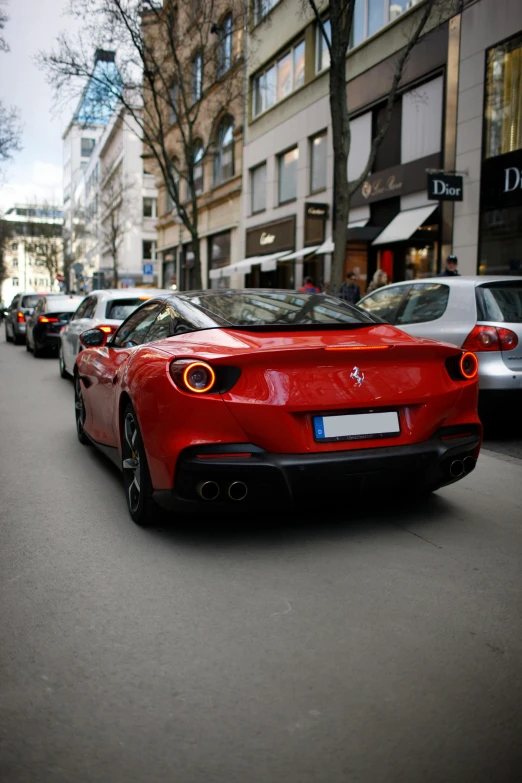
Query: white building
(33,232)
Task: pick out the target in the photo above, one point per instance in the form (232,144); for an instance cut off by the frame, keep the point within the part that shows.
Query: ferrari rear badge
(357,376)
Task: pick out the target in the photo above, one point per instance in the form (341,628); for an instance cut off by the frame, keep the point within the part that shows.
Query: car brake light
(43,319)
(490,338)
(20,318)
(193,376)
(468,365)
(107,329)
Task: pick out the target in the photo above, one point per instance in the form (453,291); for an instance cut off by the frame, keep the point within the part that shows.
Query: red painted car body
(286,378)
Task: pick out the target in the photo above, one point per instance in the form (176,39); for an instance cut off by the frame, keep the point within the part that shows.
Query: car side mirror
(93,338)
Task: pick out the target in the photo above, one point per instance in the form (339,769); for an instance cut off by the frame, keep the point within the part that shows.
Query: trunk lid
(499,304)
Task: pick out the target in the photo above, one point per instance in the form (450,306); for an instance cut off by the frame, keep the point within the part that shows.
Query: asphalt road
(375,646)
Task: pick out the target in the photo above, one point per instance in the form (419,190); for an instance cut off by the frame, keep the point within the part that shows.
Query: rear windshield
(120,309)
(500,302)
(260,309)
(30,301)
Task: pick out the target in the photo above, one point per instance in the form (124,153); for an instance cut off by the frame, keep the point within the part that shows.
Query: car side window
(385,302)
(90,307)
(134,330)
(162,326)
(425,302)
(81,310)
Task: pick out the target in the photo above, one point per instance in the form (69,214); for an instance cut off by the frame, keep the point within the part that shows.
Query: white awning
(358,223)
(306,251)
(404,225)
(326,247)
(268,264)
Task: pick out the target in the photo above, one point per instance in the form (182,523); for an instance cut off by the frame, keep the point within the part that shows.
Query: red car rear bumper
(286,480)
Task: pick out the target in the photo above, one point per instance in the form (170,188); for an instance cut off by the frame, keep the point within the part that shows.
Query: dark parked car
(15,319)
(51,314)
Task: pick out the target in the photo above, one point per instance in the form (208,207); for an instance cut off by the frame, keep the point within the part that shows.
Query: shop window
(318,162)
(288,175)
(219,250)
(360,145)
(321,47)
(425,302)
(389,150)
(149,207)
(258,187)
(504,98)
(279,79)
(224,158)
(422,120)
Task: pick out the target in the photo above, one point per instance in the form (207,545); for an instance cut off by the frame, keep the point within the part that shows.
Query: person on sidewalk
(379,280)
(309,287)
(451,267)
(350,291)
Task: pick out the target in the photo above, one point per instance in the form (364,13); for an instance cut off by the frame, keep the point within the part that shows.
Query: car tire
(136,475)
(19,339)
(37,352)
(7,338)
(79,412)
(63,371)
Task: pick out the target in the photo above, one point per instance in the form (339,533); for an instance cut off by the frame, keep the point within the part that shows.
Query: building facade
(32,249)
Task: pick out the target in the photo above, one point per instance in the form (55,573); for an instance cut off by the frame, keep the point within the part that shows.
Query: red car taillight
(194,376)
(43,319)
(20,318)
(463,367)
(490,338)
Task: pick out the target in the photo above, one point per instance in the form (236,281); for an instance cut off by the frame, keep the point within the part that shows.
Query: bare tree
(172,60)
(341,14)
(10,125)
(48,248)
(115,216)
(6,232)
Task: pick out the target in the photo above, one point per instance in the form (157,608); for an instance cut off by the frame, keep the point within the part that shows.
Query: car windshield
(30,301)
(500,301)
(266,309)
(120,309)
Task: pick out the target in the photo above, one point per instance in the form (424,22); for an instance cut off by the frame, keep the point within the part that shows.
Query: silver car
(106,308)
(480,313)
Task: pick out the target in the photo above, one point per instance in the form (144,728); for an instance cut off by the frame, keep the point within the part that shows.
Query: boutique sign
(445,187)
(501,181)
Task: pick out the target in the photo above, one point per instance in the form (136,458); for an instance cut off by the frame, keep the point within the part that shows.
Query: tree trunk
(341,146)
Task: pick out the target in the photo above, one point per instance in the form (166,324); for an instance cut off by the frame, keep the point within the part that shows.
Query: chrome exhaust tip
(456,468)
(237,490)
(208,490)
(469,464)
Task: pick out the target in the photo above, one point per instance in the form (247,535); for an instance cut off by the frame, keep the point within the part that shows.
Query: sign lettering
(512,179)
(266,239)
(445,187)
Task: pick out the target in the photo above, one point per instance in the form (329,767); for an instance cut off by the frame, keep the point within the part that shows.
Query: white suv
(105,308)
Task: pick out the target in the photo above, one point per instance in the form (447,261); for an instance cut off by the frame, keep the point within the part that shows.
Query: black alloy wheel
(61,363)
(18,339)
(136,476)
(79,411)
(37,352)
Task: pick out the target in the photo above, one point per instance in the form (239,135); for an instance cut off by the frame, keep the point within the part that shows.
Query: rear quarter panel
(457,321)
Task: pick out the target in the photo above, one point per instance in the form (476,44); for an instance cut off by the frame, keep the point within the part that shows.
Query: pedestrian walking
(309,287)
(350,291)
(451,267)
(379,280)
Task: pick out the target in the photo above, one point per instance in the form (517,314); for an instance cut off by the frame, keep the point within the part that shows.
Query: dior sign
(445,187)
(501,181)
(512,179)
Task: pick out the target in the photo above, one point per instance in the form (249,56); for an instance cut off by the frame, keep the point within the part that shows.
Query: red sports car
(236,399)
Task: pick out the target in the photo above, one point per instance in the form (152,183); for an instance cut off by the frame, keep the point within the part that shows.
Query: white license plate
(354,426)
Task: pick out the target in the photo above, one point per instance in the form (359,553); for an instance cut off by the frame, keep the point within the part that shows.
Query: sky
(36,171)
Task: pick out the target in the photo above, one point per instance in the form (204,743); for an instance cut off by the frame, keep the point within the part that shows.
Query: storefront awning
(328,246)
(268,264)
(404,225)
(306,251)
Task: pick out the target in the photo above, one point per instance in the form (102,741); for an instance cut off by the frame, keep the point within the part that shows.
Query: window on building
(198,167)
(173,103)
(261,9)
(288,175)
(389,150)
(169,201)
(219,250)
(225,45)
(360,145)
(15,263)
(87,146)
(279,79)
(375,16)
(197,77)
(358,32)
(422,116)
(318,162)
(149,207)
(504,98)
(14,245)
(224,158)
(321,47)
(148,249)
(15,282)
(258,186)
